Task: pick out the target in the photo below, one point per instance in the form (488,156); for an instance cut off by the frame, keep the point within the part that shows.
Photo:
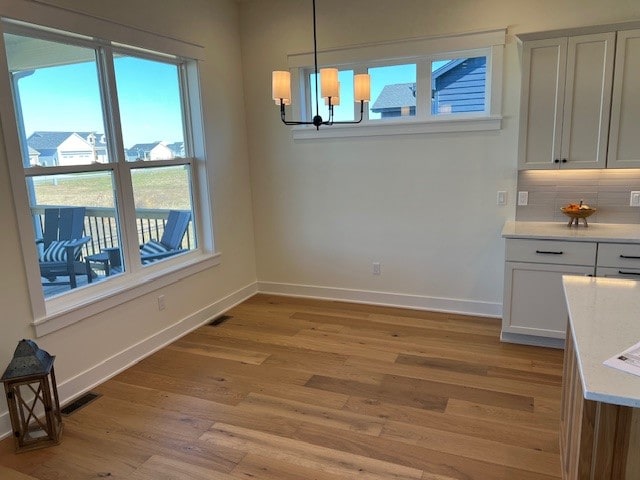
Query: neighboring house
(457,87)
(151,151)
(396,100)
(34,157)
(66,148)
(177,148)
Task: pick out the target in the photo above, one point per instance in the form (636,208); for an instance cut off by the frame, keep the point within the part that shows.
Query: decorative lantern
(32,397)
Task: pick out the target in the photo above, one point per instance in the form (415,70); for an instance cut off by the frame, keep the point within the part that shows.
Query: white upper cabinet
(566,100)
(624,136)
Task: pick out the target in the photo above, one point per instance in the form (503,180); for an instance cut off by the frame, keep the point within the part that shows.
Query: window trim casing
(74,306)
(415,50)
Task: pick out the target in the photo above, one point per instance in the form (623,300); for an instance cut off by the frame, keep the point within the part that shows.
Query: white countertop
(604,316)
(595,232)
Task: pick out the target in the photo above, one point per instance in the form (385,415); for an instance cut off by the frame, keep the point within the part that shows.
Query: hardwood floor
(303,389)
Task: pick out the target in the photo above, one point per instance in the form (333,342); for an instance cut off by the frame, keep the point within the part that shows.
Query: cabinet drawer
(619,255)
(618,272)
(551,251)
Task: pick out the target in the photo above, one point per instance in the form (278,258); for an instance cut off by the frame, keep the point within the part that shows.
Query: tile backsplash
(606,190)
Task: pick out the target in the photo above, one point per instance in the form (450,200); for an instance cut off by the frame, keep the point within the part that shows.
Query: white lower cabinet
(534,305)
(618,260)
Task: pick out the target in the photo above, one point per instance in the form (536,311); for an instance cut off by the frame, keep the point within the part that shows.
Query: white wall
(90,349)
(422,205)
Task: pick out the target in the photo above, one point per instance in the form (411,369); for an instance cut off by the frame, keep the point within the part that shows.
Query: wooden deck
(302,389)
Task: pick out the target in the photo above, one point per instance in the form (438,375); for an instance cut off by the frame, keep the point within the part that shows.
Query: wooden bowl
(582,213)
(576,215)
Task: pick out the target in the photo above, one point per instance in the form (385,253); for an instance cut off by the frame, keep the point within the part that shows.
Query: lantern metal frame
(34,405)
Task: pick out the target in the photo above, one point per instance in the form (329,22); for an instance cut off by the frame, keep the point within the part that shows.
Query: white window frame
(78,304)
(421,51)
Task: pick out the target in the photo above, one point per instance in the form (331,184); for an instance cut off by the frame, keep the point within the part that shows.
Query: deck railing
(100,224)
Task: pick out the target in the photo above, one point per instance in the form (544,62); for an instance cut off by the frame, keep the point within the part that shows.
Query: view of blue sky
(67,98)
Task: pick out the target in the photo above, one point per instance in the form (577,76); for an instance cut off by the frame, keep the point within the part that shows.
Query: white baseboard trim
(532,340)
(401,300)
(85,381)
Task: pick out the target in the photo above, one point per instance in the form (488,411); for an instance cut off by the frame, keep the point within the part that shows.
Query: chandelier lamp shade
(329,89)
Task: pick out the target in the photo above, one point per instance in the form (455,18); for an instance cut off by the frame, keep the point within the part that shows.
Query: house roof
(447,66)
(43,140)
(396,95)
(144,147)
(47,140)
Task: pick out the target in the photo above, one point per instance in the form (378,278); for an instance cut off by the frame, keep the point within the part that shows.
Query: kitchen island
(600,416)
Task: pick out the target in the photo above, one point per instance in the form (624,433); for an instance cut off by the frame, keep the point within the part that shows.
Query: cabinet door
(534,300)
(542,97)
(624,137)
(565,103)
(587,100)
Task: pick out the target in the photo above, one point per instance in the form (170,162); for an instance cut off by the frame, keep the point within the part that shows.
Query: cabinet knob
(557,160)
(564,160)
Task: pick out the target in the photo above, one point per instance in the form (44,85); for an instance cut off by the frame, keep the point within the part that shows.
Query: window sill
(440,125)
(65,311)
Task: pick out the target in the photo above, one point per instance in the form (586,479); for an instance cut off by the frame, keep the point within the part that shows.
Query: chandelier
(330,89)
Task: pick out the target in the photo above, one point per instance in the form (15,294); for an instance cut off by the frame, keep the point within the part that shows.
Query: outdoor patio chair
(62,241)
(171,241)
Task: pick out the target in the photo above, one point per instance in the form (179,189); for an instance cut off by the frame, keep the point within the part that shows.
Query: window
(343,109)
(393,92)
(422,85)
(458,86)
(107,159)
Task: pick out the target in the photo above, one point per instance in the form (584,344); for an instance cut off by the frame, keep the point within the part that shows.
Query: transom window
(107,156)
(434,84)
(419,91)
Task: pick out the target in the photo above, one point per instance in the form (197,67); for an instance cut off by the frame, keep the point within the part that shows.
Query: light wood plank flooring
(303,389)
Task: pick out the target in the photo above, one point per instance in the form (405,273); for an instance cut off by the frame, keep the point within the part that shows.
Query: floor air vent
(217,321)
(78,403)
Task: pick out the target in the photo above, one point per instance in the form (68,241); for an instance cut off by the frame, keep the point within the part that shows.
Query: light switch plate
(523,198)
(634,199)
(501,198)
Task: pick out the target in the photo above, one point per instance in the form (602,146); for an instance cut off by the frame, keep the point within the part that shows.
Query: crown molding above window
(407,48)
(45,12)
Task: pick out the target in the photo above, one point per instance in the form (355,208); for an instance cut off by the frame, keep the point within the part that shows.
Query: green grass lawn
(161,188)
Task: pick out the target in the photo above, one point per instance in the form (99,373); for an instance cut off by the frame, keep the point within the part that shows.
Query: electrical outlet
(376,268)
(161,304)
(523,198)
(502,198)
(634,199)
